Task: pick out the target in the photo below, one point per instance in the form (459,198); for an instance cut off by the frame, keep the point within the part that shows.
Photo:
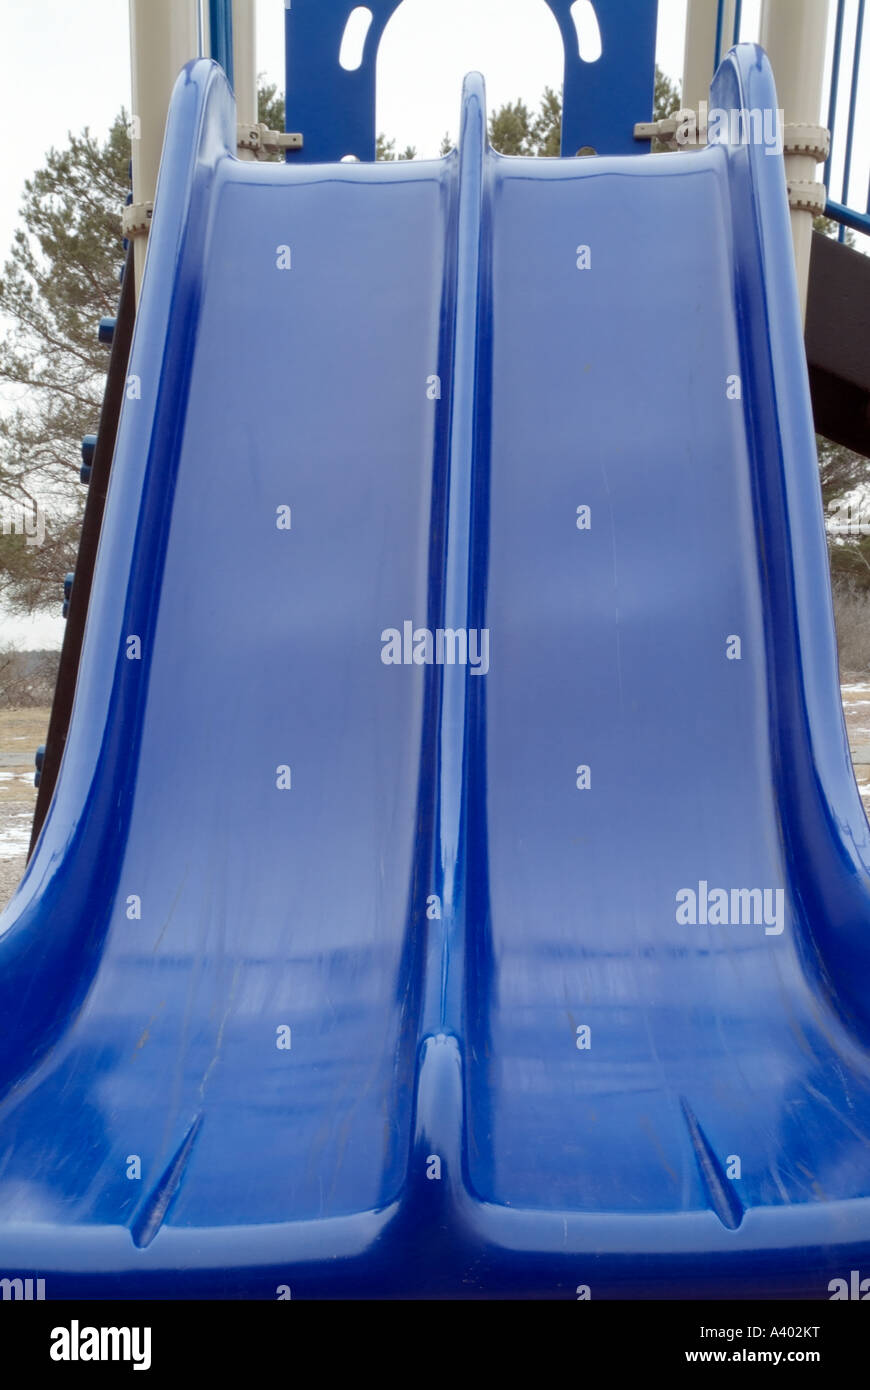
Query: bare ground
(855,691)
(22,730)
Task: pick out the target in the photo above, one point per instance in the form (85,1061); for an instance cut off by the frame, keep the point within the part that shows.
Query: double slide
(456,883)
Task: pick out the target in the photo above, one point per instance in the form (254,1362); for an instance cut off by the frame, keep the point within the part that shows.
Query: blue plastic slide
(456,884)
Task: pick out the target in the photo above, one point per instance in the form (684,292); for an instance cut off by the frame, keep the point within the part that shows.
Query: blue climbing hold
(89,444)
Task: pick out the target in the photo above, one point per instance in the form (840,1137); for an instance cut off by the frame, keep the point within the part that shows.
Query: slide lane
(253,1016)
(655,1025)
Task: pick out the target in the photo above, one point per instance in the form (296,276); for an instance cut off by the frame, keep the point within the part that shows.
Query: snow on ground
(15,834)
(23,777)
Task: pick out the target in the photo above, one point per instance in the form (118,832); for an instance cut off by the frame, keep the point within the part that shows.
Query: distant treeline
(27,679)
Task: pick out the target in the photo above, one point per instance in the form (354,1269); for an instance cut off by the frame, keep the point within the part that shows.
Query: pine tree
(60,278)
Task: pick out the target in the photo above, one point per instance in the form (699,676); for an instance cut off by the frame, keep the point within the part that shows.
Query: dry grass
(852,618)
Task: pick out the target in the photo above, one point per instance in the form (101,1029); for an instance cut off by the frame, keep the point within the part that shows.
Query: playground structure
(453,880)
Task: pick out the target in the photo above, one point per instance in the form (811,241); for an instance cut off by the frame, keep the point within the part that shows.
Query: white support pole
(163,37)
(245,65)
(699,59)
(794,33)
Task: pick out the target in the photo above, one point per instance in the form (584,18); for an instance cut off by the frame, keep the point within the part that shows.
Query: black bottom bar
(225,1338)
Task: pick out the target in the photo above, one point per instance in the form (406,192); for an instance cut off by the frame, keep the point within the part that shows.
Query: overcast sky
(64,64)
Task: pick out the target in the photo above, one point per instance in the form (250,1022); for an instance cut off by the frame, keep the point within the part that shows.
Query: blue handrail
(853,102)
(841,210)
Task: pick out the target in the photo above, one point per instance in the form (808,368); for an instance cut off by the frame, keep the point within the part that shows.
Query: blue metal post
(720,21)
(221,34)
